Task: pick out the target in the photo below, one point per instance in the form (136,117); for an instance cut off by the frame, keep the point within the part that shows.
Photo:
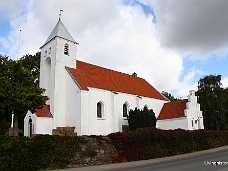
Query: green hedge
(39,152)
(49,152)
(150,143)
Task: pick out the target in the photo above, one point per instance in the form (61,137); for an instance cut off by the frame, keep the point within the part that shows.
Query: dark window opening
(125,110)
(30,127)
(99,110)
(66,49)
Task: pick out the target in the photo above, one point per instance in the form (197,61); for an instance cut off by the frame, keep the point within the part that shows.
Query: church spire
(60,31)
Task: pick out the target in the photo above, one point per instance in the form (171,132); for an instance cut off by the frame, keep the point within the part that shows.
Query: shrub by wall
(40,152)
(141,118)
(50,152)
(150,143)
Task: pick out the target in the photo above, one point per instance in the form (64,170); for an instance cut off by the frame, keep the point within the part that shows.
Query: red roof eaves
(43,111)
(71,75)
(173,110)
(89,75)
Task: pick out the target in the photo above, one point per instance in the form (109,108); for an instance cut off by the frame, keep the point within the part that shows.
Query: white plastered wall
(56,82)
(73,104)
(113,110)
(40,125)
(44,125)
(192,120)
(26,123)
(193,113)
(175,123)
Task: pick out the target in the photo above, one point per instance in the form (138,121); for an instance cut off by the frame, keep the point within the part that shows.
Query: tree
(169,96)
(18,90)
(32,64)
(141,118)
(213,100)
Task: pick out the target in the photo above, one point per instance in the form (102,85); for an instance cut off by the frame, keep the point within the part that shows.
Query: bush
(141,118)
(40,152)
(150,143)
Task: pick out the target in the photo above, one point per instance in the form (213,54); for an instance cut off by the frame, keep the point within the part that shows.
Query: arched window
(100,110)
(66,49)
(45,53)
(49,51)
(125,109)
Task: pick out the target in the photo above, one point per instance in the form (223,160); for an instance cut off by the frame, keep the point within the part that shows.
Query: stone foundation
(94,150)
(64,131)
(13,132)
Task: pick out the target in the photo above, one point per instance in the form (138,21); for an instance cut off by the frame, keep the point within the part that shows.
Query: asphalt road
(200,163)
(207,160)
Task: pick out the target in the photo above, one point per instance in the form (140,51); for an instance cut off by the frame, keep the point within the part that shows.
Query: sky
(170,43)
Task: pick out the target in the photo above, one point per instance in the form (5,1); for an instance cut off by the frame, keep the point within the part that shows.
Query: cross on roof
(60,13)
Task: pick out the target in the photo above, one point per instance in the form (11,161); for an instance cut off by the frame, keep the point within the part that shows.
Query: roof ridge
(176,101)
(109,69)
(91,75)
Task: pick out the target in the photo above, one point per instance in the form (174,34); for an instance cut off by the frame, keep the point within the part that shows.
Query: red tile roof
(43,111)
(89,75)
(172,110)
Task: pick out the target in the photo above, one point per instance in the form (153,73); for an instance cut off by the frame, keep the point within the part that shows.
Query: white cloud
(197,27)
(110,34)
(10,8)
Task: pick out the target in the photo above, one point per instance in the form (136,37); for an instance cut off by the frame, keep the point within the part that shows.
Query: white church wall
(73,105)
(113,110)
(26,123)
(59,80)
(46,70)
(66,60)
(193,117)
(84,113)
(119,100)
(193,113)
(59,100)
(175,123)
(44,125)
(41,125)
(90,124)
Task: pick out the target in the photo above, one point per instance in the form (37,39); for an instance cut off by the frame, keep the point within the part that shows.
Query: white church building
(96,100)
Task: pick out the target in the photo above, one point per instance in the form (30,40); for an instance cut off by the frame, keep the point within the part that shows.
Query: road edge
(139,163)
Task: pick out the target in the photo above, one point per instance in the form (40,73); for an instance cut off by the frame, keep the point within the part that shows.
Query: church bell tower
(57,53)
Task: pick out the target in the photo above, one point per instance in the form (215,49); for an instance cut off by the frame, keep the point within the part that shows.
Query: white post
(12,120)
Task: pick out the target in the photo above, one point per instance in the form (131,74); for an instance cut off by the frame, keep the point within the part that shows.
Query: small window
(100,110)
(49,51)
(45,53)
(195,121)
(125,109)
(192,123)
(66,49)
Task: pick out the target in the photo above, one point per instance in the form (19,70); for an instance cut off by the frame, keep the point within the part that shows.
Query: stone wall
(94,151)
(64,131)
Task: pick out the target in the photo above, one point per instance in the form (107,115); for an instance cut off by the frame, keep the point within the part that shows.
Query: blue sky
(4,30)
(205,56)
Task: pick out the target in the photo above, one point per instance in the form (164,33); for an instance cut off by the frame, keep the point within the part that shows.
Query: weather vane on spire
(60,13)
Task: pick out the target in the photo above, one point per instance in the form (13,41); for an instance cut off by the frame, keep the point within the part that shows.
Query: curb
(134,164)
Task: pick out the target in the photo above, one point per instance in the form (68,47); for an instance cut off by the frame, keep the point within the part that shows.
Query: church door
(30,127)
